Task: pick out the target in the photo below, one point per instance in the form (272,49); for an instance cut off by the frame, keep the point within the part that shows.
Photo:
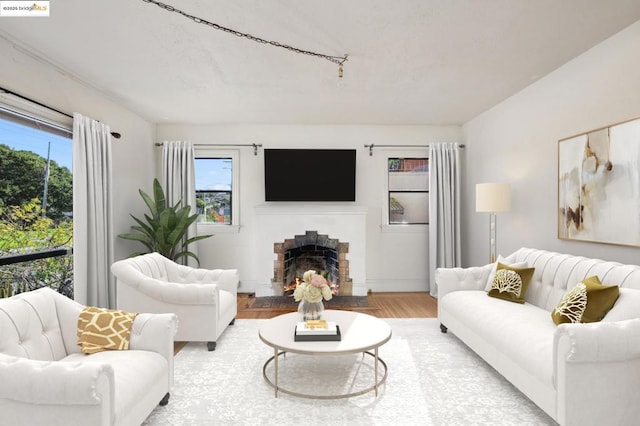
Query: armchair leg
(165,400)
(211,346)
(233,321)
(443,328)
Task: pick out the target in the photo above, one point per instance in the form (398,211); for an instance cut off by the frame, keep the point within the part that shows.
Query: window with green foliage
(36,204)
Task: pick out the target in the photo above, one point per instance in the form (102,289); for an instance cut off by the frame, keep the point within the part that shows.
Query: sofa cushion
(587,301)
(102,329)
(626,307)
(494,267)
(510,283)
(520,332)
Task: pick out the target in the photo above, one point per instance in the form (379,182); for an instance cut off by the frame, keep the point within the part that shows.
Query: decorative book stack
(316,331)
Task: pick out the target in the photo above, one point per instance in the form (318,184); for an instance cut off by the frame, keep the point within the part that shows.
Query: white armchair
(46,379)
(204,300)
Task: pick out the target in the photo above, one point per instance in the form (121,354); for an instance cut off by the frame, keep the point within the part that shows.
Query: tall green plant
(164,229)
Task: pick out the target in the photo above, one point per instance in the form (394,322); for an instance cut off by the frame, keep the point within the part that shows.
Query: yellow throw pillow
(102,329)
(492,273)
(510,283)
(588,301)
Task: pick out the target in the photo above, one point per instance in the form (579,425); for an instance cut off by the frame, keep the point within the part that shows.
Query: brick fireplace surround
(325,254)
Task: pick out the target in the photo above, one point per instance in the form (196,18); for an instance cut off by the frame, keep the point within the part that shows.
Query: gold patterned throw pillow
(510,283)
(588,301)
(104,329)
(492,273)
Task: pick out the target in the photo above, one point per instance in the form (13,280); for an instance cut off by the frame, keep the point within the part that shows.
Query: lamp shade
(493,197)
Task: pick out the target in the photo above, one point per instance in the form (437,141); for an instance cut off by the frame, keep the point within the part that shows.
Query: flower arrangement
(313,288)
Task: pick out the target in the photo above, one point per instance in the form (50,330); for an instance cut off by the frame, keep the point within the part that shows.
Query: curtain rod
(253,145)
(33,101)
(398,146)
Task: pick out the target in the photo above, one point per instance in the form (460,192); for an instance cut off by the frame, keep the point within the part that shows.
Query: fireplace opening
(311,251)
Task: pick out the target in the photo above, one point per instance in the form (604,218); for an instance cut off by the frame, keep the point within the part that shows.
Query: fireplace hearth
(312,251)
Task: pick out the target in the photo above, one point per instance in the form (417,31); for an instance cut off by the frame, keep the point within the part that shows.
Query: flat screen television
(310,174)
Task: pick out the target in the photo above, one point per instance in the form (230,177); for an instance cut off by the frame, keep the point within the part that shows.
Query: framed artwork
(599,185)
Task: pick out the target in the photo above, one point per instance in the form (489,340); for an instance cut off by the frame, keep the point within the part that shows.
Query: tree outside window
(36,206)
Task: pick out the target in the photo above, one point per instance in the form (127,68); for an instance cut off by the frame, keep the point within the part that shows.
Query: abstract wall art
(599,185)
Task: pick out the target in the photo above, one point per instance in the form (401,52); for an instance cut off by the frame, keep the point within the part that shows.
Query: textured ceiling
(410,61)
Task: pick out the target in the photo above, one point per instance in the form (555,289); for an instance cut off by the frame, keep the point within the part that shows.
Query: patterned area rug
(284,302)
(433,379)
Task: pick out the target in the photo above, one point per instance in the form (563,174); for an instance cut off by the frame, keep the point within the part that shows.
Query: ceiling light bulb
(340,71)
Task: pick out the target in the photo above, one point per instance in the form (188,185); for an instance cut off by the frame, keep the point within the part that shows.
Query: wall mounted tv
(310,174)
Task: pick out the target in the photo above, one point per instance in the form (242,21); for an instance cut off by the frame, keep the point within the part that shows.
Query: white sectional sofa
(580,374)
(45,379)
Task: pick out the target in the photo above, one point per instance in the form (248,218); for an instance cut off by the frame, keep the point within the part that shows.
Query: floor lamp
(493,198)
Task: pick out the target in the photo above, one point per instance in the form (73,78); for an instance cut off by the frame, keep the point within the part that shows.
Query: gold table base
(278,388)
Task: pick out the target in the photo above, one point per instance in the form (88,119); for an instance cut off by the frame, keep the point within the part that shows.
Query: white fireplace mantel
(279,221)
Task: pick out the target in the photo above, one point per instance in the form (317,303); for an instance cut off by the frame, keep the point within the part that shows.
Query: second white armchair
(205,300)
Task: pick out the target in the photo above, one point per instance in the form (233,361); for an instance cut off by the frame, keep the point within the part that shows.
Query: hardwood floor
(381,305)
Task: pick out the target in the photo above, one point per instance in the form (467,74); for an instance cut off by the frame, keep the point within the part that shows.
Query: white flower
(306,277)
(326,293)
(313,289)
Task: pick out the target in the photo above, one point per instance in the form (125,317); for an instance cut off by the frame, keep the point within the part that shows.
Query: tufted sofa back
(30,325)
(555,273)
(156,266)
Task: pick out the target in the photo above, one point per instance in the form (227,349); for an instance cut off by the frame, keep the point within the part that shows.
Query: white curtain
(178,181)
(444,209)
(92,213)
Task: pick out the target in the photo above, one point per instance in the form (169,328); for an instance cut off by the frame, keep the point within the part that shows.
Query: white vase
(310,310)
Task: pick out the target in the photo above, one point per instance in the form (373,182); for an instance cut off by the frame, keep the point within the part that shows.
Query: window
(408,188)
(36,203)
(216,187)
(35,164)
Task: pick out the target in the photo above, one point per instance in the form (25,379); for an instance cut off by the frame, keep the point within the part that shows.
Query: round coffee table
(359,333)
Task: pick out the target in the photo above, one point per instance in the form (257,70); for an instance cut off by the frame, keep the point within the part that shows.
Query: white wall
(395,261)
(133,154)
(517,142)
